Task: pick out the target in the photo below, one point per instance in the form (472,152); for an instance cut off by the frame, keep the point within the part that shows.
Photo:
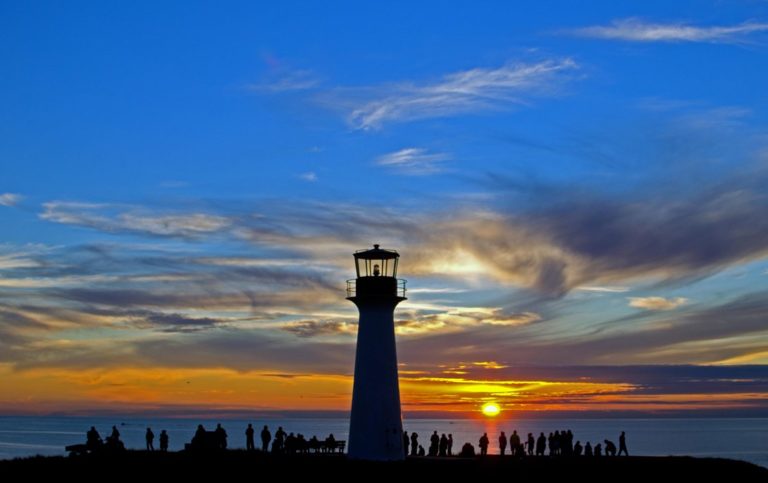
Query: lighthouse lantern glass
(376,267)
(376,263)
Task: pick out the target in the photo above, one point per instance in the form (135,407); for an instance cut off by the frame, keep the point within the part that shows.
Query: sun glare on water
(491,409)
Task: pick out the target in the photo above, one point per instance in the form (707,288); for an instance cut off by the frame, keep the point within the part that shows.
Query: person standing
(249,444)
(434,444)
(443,446)
(414,443)
(450,444)
(221,436)
(623,444)
(163,441)
(150,437)
(531,444)
(406,442)
(266,437)
(280,435)
(541,445)
(503,444)
(514,444)
(483,443)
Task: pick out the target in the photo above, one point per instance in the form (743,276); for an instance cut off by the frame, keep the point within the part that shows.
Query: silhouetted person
(598,449)
(221,437)
(266,437)
(577,449)
(113,442)
(290,441)
(467,451)
(623,444)
(443,445)
(553,443)
(301,443)
(587,449)
(406,443)
(314,443)
(421,451)
(150,437)
(434,444)
(450,444)
(541,445)
(503,444)
(414,443)
(483,443)
(199,438)
(249,443)
(163,441)
(531,443)
(279,440)
(568,443)
(330,443)
(610,448)
(92,439)
(514,443)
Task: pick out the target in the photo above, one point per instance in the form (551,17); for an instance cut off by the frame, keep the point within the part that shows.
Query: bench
(335,447)
(110,446)
(76,449)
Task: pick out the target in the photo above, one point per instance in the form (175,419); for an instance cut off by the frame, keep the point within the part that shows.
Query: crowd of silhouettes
(439,445)
(557,443)
(283,442)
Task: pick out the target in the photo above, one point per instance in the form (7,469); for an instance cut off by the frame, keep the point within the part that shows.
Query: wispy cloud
(102,217)
(313,328)
(310,176)
(10,199)
(638,30)
(513,320)
(297,80)
(473,90)
(413,161)
(657,303)
(607,289)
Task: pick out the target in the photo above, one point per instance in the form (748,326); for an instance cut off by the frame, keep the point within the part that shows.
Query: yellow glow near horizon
(207,390)
(491,409)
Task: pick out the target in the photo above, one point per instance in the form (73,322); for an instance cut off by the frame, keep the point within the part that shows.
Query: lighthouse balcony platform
(376,287)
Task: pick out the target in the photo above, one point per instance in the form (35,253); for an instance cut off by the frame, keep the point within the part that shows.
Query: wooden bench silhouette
(335,447)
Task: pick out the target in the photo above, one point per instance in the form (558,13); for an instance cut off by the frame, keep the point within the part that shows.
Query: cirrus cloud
(657,303)
(638,30)
(473,90)
(10,199)
(413,161)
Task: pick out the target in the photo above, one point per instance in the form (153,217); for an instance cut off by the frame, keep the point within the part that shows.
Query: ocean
(742,438)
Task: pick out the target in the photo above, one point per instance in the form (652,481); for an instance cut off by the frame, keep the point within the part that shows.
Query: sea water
(737,438)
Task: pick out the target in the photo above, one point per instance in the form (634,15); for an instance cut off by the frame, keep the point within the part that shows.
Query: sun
(491,409)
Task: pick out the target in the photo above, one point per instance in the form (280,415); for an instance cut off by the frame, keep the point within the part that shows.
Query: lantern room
(376,262)
(376,277)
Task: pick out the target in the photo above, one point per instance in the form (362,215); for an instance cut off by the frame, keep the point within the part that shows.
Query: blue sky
(581,180)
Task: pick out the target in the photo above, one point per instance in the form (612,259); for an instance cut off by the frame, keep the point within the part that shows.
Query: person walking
(623,444)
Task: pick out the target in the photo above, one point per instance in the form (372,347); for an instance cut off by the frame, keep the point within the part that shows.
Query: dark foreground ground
(232,465)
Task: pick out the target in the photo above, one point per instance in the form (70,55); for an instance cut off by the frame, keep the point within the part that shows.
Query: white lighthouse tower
(376,427)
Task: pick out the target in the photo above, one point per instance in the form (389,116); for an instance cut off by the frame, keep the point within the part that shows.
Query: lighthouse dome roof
(377,253)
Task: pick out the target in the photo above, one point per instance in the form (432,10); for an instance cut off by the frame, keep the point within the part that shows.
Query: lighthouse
(376,427)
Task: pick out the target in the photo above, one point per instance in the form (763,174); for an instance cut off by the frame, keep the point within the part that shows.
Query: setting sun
(491,409)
